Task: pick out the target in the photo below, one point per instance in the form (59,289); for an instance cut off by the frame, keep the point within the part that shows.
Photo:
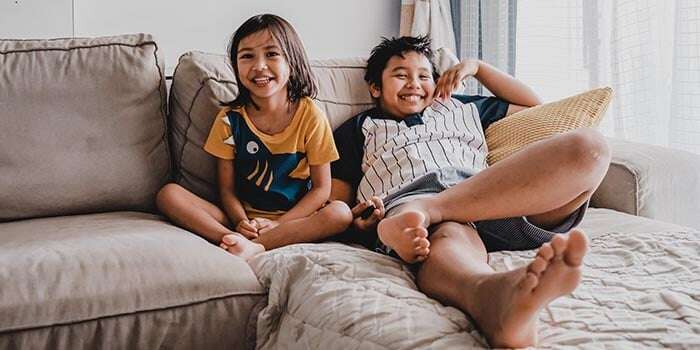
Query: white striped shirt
(396,154)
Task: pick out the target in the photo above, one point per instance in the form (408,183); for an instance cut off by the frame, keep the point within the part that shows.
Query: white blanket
(637,290)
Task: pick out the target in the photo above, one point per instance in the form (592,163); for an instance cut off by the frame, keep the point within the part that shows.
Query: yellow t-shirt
(272,171)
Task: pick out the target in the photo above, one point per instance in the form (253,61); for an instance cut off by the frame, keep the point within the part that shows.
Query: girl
(273,147)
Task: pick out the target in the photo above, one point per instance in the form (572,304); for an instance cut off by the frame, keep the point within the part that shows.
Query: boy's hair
(388,48)
(301,82)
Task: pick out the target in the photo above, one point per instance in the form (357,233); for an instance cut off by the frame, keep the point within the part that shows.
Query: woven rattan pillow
(516,131)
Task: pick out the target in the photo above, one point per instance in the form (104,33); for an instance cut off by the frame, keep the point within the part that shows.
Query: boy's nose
(412,83)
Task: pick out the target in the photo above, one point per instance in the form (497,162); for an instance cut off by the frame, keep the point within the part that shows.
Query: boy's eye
(424,77)
(401,76)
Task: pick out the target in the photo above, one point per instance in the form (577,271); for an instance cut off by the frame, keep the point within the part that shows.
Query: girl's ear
(375,91)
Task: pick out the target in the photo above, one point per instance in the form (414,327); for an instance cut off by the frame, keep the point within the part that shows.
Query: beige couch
(87,139)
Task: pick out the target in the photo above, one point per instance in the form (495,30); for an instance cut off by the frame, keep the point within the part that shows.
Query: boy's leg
(546,181)
(333,218)
(195,214)
(504,305)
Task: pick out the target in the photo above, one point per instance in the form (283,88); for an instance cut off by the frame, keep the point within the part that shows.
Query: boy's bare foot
(507,304)
(405,234)
(241,246)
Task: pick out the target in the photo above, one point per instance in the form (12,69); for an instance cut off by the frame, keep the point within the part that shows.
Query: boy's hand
(369,223)
(248,228)
(265,225)
(451,78)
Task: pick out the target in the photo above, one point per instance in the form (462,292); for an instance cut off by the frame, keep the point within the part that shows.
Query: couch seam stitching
(136,312)
(164,114)
(189,117)
(144,43)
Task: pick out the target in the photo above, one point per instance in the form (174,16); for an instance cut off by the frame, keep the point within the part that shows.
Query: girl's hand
(248,228)
(265,225)
(451,78)
(369,223)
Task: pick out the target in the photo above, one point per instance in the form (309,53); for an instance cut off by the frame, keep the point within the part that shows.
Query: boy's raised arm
(499,83)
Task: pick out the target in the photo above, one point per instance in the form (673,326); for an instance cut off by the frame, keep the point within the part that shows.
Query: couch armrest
(651,181)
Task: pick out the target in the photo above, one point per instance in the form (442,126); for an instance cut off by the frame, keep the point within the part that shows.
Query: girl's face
(262,67)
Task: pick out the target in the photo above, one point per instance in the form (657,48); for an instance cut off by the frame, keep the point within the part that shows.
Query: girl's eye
(273,54)
(245,56)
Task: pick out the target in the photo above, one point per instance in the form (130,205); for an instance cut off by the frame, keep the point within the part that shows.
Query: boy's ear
(374,90)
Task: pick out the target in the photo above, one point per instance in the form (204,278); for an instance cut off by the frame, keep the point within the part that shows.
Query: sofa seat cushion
(102,265)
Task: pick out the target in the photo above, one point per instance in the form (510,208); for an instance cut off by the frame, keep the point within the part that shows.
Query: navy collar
(411,120)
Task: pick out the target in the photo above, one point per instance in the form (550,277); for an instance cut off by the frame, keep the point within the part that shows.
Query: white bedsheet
(640,287)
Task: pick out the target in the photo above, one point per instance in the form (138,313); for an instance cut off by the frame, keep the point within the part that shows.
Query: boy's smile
(407,85)
(262,67)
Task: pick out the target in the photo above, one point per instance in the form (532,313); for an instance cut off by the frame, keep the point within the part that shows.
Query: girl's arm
(232,206)
(316,197)
(504,86)
(275,234)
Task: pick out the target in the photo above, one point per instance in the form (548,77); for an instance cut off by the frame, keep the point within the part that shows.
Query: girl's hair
(388,48)
(301,82)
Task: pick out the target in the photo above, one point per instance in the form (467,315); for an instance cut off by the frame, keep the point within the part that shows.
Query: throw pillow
(516,131)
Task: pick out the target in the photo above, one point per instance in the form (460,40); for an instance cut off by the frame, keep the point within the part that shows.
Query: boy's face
(407,85)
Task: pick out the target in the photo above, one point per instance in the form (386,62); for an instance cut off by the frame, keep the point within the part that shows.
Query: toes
(530,281)
(546,251)
(422,252)
(558,245)
(419,232)
(576,249)
(420,242)
(228,240)
(537,266)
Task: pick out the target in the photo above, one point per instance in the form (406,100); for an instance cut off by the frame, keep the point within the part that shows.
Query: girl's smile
(263,69)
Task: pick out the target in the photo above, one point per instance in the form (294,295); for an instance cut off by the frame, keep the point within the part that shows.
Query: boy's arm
(504,86)
(343,191)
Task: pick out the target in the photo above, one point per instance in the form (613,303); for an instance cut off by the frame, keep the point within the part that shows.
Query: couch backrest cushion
(202,81)
(82,126)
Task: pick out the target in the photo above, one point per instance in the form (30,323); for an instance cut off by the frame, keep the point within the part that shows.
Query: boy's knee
(452,230)
(587,148)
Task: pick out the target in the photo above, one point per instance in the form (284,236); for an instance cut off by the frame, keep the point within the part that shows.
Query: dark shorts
(501,234)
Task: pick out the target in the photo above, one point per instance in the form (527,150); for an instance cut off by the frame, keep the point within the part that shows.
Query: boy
(423,153)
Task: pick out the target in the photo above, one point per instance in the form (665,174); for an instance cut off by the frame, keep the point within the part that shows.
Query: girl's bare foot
(405,234)
(241,246)
(507,304)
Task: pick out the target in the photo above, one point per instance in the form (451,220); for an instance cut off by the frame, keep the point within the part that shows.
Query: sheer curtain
(647,50)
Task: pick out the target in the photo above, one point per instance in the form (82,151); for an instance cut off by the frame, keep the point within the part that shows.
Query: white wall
(330,28)
(23,19)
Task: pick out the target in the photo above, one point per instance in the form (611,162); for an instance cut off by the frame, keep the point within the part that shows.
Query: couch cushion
(106,265)
(202,81)
(82,125)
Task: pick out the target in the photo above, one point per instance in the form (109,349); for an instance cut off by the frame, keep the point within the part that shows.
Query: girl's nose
(260,65)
